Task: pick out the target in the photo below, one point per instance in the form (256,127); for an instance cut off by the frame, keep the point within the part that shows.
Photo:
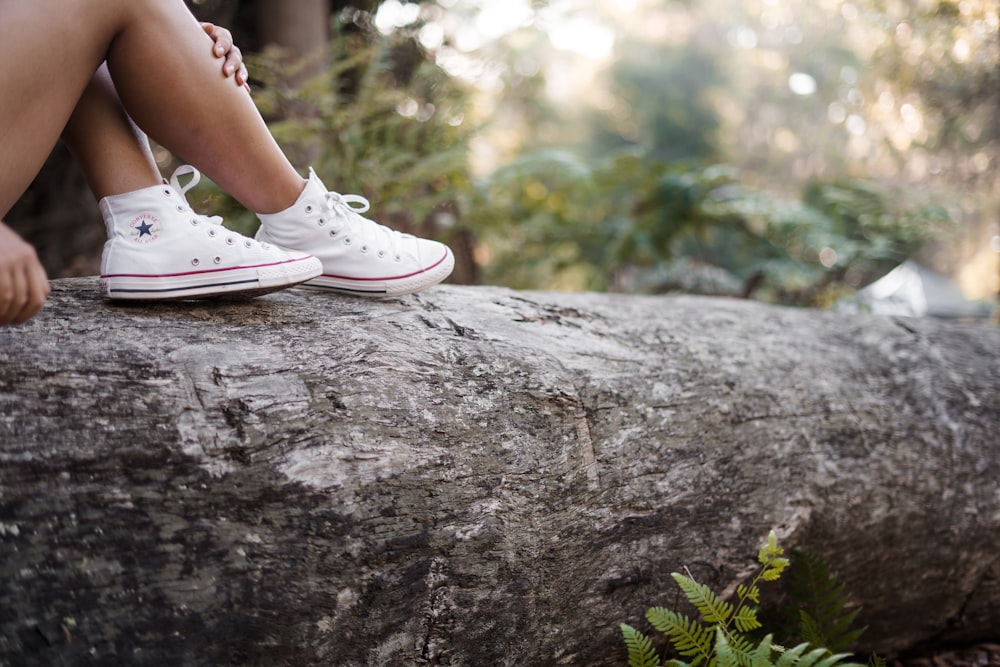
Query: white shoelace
(348,209)
(212,220)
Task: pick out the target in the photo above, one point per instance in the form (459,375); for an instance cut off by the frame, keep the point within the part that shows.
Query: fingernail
(229,69)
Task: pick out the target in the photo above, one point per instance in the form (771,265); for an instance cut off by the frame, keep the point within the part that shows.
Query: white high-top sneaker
(359,255)
(158,248)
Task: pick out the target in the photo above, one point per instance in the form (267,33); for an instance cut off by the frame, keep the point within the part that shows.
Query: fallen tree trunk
(475,476)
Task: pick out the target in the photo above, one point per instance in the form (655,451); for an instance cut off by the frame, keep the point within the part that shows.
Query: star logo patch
(145,229)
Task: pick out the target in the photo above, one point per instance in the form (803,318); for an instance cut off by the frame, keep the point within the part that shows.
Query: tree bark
(475,476)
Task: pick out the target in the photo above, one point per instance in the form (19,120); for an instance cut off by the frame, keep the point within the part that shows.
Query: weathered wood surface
(475,476)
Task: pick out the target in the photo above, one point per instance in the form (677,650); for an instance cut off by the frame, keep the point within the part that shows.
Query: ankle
(281,201)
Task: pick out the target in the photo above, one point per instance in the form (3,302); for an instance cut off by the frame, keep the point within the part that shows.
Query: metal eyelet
(321,222)
(229,240)
(364,248)
(309,209)
(194,222)
(333,232)
(397,258)
(195,262)
(248,243)
(347,240)
(180,209)
(212,233)
(166,191)
(217,259)
(381,254)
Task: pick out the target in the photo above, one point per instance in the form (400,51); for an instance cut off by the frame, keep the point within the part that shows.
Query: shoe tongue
(314,186)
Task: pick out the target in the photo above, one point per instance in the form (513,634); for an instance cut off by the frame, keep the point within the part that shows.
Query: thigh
(49,50)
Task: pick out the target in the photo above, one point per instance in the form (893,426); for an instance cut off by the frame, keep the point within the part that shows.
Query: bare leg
(165,73)
(188,106)
(113,153)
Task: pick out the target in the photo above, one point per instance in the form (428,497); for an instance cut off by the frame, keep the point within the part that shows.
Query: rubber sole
(389,286)
(240,281)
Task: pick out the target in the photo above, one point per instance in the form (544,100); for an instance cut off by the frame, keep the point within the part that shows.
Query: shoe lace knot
(347,210)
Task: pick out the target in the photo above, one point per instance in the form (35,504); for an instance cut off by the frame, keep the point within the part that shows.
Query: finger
(242,75)
(12,296)
(223,41)
(234,61)
(38,291)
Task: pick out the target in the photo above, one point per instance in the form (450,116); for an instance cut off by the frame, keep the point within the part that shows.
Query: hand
(224,48)
(23,283)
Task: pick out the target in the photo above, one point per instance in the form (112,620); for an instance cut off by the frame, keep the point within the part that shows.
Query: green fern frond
(770,550)
(742,647)
(791,656)
(725,656)
(746,619)
(810,629)
(664,619)
(751,593)
(640,648)
(822,603)
(875,660)
(761,655)
(712,609)
(812,657)
(689,637)
(835,659)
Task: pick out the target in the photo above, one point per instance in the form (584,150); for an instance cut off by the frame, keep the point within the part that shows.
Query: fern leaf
(664,619)
(835,659)
(790,657)
(812,657)
(743,648)
(770,550)
(724,654)
(761,655)
(713,610)
(690,638)
(875,660)
(810,629)
(746,619)
(751,593)
(640,648)
(824,619)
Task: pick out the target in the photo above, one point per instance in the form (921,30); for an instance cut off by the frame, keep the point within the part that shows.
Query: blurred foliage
(627,223)
(667,112)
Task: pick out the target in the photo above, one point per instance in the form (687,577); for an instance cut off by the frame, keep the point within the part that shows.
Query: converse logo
(145,228)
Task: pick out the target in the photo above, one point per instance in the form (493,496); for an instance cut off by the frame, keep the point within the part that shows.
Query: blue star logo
(145,229)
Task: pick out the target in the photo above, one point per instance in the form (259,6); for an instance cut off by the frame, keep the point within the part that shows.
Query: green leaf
(821,603)
(640,648)
(713,610)
(812,657)
(770,550)
(790,658)
(689,637)
(751,593)
(746,619)
(724,654)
